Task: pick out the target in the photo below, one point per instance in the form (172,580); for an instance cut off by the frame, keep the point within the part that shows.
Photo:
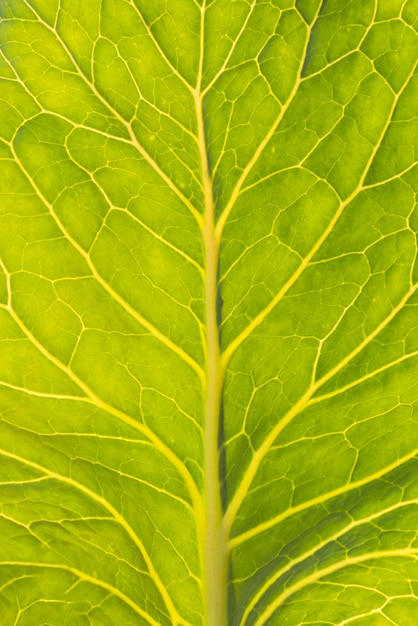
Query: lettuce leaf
(208,312)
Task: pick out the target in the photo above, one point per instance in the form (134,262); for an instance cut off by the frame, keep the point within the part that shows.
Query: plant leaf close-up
(208,313)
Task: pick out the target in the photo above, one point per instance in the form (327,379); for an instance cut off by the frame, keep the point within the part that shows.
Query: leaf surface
(208,312)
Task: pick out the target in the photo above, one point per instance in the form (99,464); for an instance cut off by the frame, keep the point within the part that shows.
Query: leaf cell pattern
(208,312)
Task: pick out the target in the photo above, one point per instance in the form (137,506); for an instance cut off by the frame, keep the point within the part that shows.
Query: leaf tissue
(208,313)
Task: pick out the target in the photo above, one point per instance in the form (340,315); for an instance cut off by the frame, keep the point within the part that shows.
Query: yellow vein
(137,479)
(41,394)
(12,581)
(326,571)
(350,52)
(159,445)
(130,214)
(321,499)
(247,170)
(306,261)
(126,211)
(231,51)
(77,125)
(180,556)
(61,116)
(116,515)
(359,381)
(397,176)
(114,294)
(322,544)
(158,47)
(113,470)
(297,408)
(258,319)
(21,483)
(87,578)
(122,120)
(140,96)
(379,611)
(28,529)
(289,168)
(164,241)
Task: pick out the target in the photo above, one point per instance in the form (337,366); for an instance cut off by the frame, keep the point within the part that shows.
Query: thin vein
(234,345)
(350,52)
(117,516)
(184,356)
(91,579)
(247,170)
(231,51)
(147,157)
(293,563)
(41,394)
(331,569)
(362,379)
(159,48)
(297,408)
(167,243)
(159,445)
(319,500)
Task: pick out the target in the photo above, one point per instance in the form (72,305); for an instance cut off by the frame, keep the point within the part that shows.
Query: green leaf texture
(208,313)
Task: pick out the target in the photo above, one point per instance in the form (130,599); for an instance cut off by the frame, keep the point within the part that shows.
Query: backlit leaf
(208,313)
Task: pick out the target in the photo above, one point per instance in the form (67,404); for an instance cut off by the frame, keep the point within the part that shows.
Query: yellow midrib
(213,542)
(214,545)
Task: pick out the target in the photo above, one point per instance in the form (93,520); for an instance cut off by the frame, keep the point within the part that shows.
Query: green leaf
(208,312)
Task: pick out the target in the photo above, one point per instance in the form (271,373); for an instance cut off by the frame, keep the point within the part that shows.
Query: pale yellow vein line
(227,271)
(145,100)
(187,415)
(99,436)
(299,406)
(321,499)
(158,47)
(231,51)
(227,121)
(247,170)
(160,238)
(128,212)
(327,571)
(297,166)
(159,445)
(136,479)
(122,120)
(350,52)
(362,379)
(61,116)
(380,612)
(118,517)
(87,578)
(22,483)
(234,345)
(258,319)
(166,538)
(41,394)
(11,581)
(42,543)
(397,176)
(111,469)
(102,282)
(292,564)
(140,96)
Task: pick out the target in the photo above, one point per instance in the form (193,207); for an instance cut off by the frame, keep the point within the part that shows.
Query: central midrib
(214,543)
